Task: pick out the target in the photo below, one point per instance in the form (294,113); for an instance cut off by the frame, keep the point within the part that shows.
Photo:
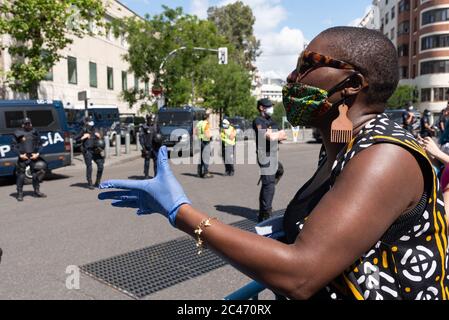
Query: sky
(282,26)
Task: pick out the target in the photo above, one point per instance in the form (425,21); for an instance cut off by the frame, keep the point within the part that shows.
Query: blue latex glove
(163,194)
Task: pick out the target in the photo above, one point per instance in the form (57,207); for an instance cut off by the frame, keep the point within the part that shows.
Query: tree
(151,41)
(235,22)
(227,89)
(402,96)
(39,30)
(279,113)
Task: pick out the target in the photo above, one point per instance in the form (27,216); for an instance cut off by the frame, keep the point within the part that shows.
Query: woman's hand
(163,194)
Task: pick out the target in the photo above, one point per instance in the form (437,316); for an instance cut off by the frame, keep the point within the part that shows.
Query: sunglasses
(309,61)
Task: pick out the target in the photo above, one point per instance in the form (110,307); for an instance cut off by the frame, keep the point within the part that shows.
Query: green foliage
(279,113)
(187,76)
(39,29)
(402,96)
(235,22)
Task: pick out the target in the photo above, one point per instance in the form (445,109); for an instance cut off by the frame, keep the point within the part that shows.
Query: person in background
(434,151)
(408,119)
(89,137)
(146,141)
(228,141)
(27,143)
(426,127)
(267,139)
(204,135)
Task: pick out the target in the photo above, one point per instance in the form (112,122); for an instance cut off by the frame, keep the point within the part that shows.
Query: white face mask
(269,111)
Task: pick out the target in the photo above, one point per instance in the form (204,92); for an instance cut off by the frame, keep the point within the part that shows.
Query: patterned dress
(410,261)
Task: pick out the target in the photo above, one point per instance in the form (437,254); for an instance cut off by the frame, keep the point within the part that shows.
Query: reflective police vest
(226,136)
(201,130)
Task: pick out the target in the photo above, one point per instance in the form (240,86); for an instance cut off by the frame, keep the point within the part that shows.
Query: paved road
(41,237)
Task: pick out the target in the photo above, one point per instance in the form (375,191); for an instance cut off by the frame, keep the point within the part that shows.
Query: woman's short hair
(372,53)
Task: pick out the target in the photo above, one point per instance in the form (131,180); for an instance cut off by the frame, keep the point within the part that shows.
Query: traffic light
(222,55)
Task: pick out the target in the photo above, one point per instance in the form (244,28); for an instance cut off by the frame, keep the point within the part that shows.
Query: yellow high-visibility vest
(226,136)
(201,130)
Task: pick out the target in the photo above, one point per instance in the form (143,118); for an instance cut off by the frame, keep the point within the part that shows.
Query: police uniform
(91,152)
(228,148)
(267,152)
(149,148)
(28,142)
(203,168)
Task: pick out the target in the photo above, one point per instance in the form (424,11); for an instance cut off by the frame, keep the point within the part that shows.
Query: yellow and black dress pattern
(410,261)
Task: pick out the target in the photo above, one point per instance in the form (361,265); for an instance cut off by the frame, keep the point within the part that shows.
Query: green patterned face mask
(304,104)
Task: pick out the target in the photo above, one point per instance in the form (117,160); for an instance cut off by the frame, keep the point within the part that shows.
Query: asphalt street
(40,238)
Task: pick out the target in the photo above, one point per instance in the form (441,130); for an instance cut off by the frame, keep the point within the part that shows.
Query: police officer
(27,144)
(228,141)
(426,128)
(146,137)
(408,119)
(204,135)
(91,147)
(267,138)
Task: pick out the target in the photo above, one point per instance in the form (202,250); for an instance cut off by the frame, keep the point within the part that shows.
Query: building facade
(93,63)
(422,41)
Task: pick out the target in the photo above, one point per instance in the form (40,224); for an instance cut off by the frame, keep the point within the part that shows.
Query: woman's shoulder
(379,130)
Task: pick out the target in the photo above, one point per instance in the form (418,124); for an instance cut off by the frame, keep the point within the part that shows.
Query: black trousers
(150,154)
(228,152)
(267,191)
(203,167)
(20,173)
(90,156)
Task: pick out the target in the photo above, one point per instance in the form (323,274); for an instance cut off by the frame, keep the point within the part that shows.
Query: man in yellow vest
(228,140)
(204,135)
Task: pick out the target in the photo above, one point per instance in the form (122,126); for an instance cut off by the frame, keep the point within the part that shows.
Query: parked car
(48,119)
(130,123)
(106,120)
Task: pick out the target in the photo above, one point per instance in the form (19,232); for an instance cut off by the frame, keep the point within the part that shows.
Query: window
(440,94)
(435,41)
(72,72)
(426,95)
(124,81)
(403,72)
(436,66)
(136,83)
(437,15)
(404,5)
(93,74)
(403,50)
(110,79)
(403,28)
(386,18)
(392,34)
(393,12)
(41,118)
(13,119)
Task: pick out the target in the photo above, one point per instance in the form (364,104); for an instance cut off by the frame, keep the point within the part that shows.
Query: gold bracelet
(198,232)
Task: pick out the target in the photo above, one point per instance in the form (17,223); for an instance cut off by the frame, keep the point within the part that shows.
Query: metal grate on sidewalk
(143,272)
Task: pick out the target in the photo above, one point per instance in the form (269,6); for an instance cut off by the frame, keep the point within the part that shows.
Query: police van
(106,118)
(48,119)
(176,125)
